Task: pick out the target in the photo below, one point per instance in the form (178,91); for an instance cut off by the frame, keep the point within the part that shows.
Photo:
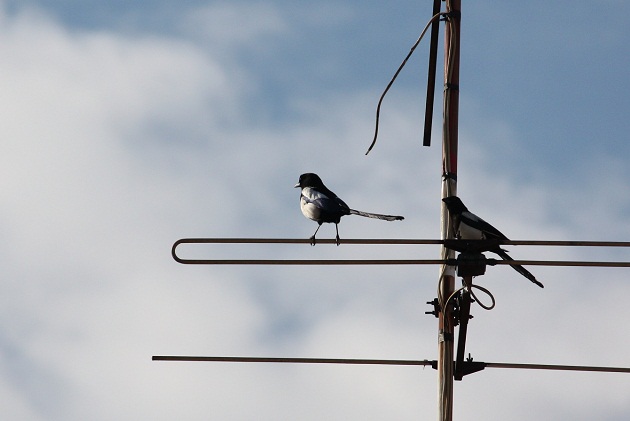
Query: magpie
(469,226)
(321,205)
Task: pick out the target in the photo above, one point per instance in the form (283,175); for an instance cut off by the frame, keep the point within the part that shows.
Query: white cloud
(90,203)
(235,24)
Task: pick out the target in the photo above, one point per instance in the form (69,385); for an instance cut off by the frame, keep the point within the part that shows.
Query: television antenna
(452,306)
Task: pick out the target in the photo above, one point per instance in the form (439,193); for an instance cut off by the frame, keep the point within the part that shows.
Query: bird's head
(309,179)
(454,205)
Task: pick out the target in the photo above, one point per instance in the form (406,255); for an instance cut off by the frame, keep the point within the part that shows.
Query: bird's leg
(313,241)
(337,229)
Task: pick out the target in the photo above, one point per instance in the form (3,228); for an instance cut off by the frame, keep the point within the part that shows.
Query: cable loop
(487,292)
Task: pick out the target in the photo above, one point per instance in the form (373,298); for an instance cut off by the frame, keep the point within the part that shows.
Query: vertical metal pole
(428,111)
(446,284)
(464,315)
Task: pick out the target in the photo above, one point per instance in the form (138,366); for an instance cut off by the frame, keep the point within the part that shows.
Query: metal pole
(464,313)
(446,283)
(428,112)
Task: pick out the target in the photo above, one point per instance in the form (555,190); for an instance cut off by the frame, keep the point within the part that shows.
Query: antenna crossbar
(363,361)
(401,241)
(481,245)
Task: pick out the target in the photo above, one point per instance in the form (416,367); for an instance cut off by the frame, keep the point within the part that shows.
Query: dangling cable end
(371,146)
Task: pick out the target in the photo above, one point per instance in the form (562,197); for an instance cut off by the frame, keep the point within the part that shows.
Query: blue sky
(128,125)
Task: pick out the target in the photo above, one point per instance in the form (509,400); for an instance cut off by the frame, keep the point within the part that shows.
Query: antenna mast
(446,283)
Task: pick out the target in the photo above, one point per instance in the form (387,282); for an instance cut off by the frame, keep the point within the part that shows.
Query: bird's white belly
(309,210)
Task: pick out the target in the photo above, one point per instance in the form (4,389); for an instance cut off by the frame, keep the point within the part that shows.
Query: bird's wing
(477,223)
(342,205)
(323,202)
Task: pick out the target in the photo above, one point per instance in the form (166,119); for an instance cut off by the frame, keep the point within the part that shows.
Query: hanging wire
(478,301)
(391,82)
(471,288)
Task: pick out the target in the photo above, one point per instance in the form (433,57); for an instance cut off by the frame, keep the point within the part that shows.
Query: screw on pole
(436,307)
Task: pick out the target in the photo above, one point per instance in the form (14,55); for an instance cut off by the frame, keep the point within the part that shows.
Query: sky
(127,125)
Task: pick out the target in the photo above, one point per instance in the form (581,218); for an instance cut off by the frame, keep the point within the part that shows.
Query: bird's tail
(520,269)
(376,215)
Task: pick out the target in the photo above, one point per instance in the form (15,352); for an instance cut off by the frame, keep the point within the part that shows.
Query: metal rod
(308,262)
(493,262)
(295,360)
(450,242)
(560,367)
(400,241)
(464,313)
(446,280)
(428,111)
(379,262)
(361,361)
(373,241)
(567,243)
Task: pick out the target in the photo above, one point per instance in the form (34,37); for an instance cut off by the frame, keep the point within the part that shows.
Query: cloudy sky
(126,125)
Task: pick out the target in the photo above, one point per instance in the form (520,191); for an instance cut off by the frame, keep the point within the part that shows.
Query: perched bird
(321,205)
(469,226)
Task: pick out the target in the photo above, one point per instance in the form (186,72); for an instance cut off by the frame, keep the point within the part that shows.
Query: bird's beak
(297,185)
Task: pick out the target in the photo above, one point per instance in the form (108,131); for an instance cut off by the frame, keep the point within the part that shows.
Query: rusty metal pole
(446,283)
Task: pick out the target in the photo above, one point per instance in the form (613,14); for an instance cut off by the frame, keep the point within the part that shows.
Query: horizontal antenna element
(479,245)
(363,361)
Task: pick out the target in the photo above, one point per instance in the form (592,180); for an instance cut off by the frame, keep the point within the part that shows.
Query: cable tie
(456,14)
(446,337)
(449,176)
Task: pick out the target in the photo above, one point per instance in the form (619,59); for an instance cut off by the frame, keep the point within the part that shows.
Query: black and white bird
(321,205)
(469,226)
